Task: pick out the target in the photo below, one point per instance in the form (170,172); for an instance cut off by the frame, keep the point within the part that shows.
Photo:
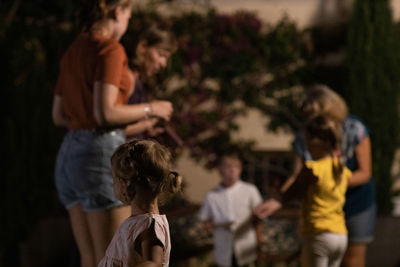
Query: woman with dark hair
(148,54)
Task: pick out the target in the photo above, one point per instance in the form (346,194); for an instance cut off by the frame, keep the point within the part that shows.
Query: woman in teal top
(359,208)
(360,196)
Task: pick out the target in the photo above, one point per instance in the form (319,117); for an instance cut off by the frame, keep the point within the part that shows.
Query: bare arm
(296,190)
(273,204)
(142,126)
(107,112)
(267,208)
(153,251)
(298,165)
(363,154)
(151,248)
(259,227)
(259,231)
(59,118)
(299,188)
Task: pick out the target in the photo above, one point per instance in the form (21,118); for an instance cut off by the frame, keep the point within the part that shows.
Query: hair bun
(175,181)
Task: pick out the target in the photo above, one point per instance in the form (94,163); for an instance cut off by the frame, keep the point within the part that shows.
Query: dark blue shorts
(83,169)
(361,226)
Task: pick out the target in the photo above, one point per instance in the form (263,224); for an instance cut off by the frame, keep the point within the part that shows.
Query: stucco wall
(305,13)
(252,127)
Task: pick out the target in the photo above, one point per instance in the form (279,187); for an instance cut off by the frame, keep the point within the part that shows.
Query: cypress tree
(373,88)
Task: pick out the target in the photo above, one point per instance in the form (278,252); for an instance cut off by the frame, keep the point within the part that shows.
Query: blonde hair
(145,164)
(321,100)
(93,11)
(330,133)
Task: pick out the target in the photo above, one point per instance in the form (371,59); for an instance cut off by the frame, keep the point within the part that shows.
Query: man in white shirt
(228,211)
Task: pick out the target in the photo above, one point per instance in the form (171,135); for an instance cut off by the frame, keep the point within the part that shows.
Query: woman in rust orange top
(91,96)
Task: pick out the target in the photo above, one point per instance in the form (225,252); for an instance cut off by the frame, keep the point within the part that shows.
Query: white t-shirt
(230,210)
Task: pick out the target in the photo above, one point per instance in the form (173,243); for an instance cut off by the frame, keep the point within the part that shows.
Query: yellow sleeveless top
(322,209)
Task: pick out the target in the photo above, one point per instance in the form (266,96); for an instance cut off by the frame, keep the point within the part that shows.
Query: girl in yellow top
(322,184)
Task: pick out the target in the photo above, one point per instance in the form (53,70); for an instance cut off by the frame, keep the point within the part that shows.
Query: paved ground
(55,239)
(385,250)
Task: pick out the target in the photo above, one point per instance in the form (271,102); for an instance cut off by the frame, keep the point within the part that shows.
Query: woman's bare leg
(102,226)
(80,230)
(355,255)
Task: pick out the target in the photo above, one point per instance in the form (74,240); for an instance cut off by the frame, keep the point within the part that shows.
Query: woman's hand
(145,125)
(267,208)
(162,109)
(151,130)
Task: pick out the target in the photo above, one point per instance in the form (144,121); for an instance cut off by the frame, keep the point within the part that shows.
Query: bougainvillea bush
(223,65)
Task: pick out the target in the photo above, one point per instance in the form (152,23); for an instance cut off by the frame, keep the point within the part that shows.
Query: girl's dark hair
(153,36)
(93,11)
(330,133)
(145,164)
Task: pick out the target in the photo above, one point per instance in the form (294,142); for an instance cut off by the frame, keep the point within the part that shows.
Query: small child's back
(123,242)
(322,209)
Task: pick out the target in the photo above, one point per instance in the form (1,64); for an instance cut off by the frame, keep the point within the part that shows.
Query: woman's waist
(86,122)
(93,132)
(91,127)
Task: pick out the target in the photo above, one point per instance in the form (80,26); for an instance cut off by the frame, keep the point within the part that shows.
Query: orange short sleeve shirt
(91,58)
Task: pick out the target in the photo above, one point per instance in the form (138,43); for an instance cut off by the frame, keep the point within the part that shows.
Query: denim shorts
(361,226)
(83,169)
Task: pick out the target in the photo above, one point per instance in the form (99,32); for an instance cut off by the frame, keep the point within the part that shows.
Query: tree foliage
(32,39)
(373,91)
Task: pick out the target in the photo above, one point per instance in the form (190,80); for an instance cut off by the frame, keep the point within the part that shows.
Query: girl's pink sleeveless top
(121,251)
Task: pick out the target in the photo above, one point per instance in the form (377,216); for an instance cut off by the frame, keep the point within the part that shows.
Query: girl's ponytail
(174,181)
(337,168)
